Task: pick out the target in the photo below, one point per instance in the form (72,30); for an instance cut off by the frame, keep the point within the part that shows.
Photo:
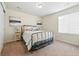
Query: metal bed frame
(39,44)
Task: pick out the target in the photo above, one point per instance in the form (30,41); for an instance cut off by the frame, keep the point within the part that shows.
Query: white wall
(1,27)
(50,23)
(26,20)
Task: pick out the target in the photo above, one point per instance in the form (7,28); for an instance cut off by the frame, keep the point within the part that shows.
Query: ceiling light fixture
(39,5)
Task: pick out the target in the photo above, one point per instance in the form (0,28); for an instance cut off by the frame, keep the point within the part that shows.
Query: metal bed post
(42,35)
(37,37)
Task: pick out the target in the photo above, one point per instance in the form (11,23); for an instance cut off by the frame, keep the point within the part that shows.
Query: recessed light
(18,7)
(39,5)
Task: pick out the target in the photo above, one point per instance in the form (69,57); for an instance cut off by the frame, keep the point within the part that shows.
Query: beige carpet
(57,48)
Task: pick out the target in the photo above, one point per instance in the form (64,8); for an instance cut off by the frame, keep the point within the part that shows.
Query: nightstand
(18,35)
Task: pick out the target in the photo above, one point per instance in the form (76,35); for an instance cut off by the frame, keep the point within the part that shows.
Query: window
(69,23)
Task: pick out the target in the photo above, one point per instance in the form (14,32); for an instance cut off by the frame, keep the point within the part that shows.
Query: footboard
(45,39)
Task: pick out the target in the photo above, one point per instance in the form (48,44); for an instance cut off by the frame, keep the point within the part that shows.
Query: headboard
(29,28)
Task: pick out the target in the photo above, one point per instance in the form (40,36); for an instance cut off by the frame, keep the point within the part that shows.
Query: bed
(35,38)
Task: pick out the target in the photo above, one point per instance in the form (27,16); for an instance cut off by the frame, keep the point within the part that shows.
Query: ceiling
(48,7)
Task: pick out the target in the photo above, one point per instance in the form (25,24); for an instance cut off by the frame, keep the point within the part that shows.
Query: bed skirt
(41,44)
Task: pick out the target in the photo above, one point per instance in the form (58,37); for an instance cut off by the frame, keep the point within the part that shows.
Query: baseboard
(12,41)
(0,52)
(8,41)
(71,43)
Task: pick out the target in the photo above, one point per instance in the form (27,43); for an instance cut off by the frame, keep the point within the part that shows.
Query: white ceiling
(30,7)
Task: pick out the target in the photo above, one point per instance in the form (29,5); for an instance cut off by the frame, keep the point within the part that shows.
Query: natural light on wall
(69,23)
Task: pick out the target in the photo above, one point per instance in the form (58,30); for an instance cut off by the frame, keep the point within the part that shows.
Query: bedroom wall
(26,20)
(50,23)
(1,27)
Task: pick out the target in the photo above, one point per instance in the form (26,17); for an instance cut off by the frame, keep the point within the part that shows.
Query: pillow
(30,28)
(35,29)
